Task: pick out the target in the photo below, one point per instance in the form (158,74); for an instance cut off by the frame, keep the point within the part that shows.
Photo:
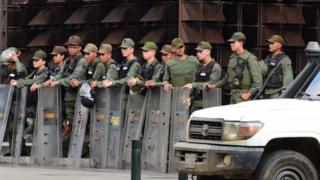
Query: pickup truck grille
(206,130)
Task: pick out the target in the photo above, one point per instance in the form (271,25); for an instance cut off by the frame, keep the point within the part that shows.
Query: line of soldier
(246,76)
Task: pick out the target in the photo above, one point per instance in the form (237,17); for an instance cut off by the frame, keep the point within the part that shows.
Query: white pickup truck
(264,139)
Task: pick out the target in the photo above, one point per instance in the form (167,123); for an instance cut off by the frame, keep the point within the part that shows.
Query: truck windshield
(312,91)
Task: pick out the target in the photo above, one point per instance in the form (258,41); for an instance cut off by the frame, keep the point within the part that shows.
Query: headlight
(233,131)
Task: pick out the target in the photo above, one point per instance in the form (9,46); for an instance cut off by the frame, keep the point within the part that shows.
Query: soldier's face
(126,51)
(203,54)
(166,57)
(74,50)
(105,57)
(273,47)
(148,54)
(90,56)
(236,45)
(58,58)
(179,51)
(37,63)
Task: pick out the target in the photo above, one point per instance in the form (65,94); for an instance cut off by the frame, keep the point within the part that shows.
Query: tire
(286,165)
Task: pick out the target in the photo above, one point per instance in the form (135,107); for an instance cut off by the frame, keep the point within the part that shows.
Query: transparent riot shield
(156,133)
(79,125)
(115,110)
(47,146)
(6,92)
(18,123)
(134,121)
(179,118)
(98,131)
(212,97)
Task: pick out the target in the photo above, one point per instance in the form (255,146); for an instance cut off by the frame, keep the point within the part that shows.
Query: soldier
(243,74)
(209,71)
(35,80)
(37,77)
(278,67)
(95,70)
(166,56)
(167,53)
(111,73)
(59,54)
(12,68)
(181,70)
(127,69)
(150,70)
(73,68)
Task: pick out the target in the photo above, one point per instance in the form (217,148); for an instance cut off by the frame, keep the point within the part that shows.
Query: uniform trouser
(69,102)
(196,104)
(235,96)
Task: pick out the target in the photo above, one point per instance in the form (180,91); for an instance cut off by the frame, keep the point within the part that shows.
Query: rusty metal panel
(293,38)
(271,14)
(192,11)
(293,15)
(159,35)
(116,36)
(43,39)
(48,16)
(20,2)
(191,34)
(56,1)
(213,12)
(213,35)
(158,12)
(267,33)
(118,14)
(83,15)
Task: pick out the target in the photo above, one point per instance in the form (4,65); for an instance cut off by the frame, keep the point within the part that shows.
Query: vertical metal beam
(180,5)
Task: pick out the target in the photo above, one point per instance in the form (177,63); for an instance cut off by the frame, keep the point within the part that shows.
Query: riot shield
(115,109)
(106,128)
(98,131)
(212,97)
(6,92)
(134,121)
(156,134)
(179,118)
(79,126)
(18,123)
(47,146)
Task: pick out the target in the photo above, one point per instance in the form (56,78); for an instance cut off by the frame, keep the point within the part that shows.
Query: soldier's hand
(54,83)
(34,87)
(107,83)
(132,82)
(189,86)
(47,83)
(150,84)
(245,96)
(209,86)
(167,87)
(74,83)
(93,84)
(13,82)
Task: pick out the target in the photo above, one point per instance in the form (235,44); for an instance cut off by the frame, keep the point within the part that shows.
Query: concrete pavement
(38,173)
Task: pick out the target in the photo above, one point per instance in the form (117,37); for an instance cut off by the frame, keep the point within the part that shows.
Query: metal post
(136,160)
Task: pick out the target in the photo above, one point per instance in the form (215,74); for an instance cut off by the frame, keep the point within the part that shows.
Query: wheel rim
(289,173)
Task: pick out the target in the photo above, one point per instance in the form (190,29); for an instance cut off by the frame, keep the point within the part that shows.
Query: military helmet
(87,96)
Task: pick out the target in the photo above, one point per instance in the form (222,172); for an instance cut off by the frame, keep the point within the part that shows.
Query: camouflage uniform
(243,73)
(180,72)
(206,73)
(72,68)
(282,75)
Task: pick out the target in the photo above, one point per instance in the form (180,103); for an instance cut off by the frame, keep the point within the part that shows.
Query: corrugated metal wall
(44,23)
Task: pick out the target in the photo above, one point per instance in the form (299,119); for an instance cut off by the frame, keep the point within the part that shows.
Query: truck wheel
(286,164)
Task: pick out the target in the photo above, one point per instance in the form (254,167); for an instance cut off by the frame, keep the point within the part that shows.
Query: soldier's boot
(28,131)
